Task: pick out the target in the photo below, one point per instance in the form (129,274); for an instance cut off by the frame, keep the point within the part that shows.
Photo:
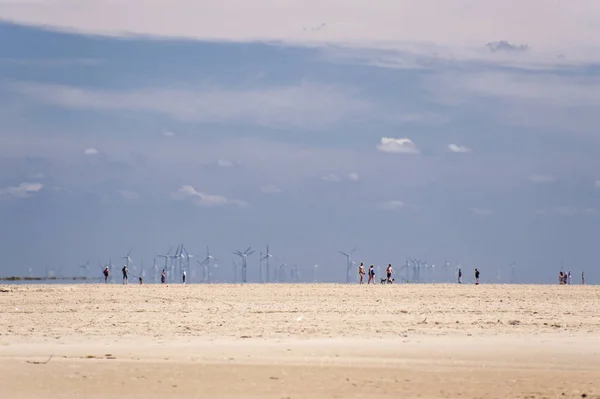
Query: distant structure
(505,46)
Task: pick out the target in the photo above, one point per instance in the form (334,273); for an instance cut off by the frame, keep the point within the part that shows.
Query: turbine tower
(127,258)
(85,269)
(243,256)
(513,273)
(167,256)
(205,264)
(348,256)
(266,257)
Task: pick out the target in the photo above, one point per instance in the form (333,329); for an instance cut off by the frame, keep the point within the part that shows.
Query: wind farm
(268,268)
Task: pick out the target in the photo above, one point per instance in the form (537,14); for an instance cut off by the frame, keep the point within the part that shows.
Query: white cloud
(399,146)
(225,163)
(331,177)
(311,106)
(203,199)
(90,151)
(392,205)
(458,148)
(128,194)
(455,22)
(541,178)
(23,190)
(481,211)
(353,176)
(270,190)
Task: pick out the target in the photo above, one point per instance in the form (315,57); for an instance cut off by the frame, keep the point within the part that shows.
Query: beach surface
(299,341)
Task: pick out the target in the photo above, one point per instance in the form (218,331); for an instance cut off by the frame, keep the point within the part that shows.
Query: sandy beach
(299,341)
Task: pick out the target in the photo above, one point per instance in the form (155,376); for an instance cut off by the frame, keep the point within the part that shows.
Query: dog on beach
(385,280)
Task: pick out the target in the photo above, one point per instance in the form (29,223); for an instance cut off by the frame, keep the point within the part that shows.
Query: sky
(466,131)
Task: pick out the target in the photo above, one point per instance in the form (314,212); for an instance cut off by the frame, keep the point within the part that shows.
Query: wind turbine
(244,255)
(85,269)
(175,260)
(512,272)
(206,265)
(348,256)
(266,257)
(281,273)
(314,270)
(127,259)
(167,256)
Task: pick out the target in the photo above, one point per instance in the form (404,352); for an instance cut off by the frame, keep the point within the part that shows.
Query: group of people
(125,271)
(476,276)
(564,278)
(390,271)
(361,274)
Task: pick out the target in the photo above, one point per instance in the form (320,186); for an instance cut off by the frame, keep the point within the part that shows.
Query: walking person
(582,279)
(569,278)
(476,277)
(361,272)
(106,273)
(459,276)
(389,272)
(371,275)
(163,277)
(125,274)
(184,276)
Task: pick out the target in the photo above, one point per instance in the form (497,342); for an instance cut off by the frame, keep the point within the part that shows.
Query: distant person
(569,278)
(371,274)
(361,272)
(125,274)
(561,278)
(476,277)
(389,272)
(106,273)
(582,279)
(163,276)
(141,280)
(184,276)
(459,276)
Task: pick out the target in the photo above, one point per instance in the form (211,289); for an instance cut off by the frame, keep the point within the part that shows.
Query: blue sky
(310,130)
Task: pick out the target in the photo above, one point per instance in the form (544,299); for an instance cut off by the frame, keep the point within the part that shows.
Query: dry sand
(299,341)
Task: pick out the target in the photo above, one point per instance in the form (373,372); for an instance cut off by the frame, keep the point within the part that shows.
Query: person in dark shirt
(106,274)
(125,274)
(163,277)
(459,276)
(476,277)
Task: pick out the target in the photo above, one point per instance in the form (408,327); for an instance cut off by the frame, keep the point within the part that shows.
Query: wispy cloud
(226,163)
(203,199)
(398,146)
(332,177)
(541,178)
(307,105)
(270,189)
(128,194)
(169,134)
(391,205)
(458,149)
(456,22)
(90,151)
(597,184)
(23,190)
(482,211)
